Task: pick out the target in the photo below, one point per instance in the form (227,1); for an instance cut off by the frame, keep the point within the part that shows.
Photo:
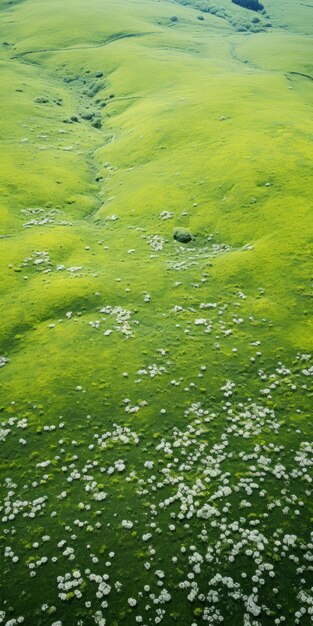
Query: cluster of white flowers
(127,524)
(112,218)
(39,222)
(152,370)
(216,482)
(40,260)
(156,242)
(166,215)
(120,434)
(122,318)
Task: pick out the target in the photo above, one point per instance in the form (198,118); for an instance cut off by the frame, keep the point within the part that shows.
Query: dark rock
(183,235)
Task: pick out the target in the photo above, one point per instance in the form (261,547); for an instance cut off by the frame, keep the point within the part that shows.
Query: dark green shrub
(253,5)
(183,235)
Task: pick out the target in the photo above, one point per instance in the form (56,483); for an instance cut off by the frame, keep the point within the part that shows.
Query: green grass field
(156,437)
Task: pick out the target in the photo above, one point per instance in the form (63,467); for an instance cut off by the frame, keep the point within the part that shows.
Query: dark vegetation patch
(6,4)
(242,23)
(41,100)
(252,5)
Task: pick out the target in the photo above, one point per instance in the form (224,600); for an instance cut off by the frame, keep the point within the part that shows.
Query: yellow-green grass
(284,52)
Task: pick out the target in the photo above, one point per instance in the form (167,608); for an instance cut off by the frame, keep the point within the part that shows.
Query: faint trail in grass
(301,74)
(103,139)
(111,39)
(235,56)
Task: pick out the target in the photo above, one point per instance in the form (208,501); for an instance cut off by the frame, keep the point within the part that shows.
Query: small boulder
(183,235)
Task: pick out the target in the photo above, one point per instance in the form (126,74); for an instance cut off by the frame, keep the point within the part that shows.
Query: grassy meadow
(156,437)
